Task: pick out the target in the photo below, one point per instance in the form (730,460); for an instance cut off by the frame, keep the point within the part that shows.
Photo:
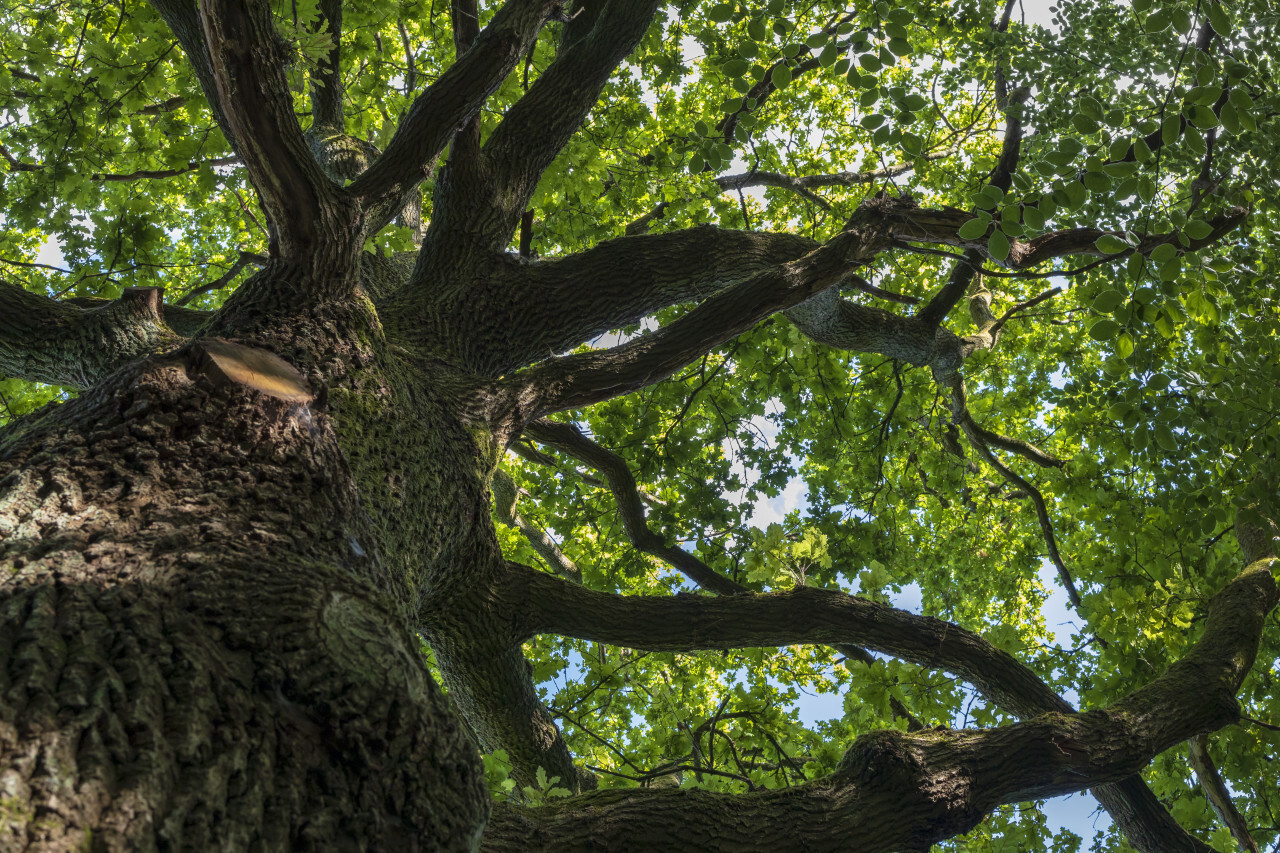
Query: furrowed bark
(147,698)
(42,340)
(326,80)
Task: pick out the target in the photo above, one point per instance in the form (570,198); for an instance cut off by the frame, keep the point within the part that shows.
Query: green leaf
(1109,244)
(1158,21)
(1198,229)
(1076,195)
(998,245)
(1219,18)
(1108,301)
(973,229)
(1104,329)
(1163,253)
(721,12)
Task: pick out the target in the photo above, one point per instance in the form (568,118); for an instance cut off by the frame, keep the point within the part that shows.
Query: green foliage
(778,461)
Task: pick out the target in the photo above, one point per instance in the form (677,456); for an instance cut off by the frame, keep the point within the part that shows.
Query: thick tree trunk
(202,646)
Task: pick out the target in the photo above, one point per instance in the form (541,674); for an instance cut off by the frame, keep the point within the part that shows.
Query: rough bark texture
(218,563)
(151,698)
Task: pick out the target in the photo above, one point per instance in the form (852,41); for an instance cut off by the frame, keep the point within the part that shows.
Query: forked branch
(248,59)
(447,104)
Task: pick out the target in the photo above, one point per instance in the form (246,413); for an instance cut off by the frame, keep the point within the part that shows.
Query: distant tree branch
(1216,791)
(801,184)
(570,440)
(763,88)
(222,281)
(137,175)
(505,497)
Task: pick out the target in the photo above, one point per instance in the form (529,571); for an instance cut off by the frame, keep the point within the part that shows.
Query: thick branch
(552,306)
(248,59)
(802,615)
(459,94)
(55,342)
(326,80)
(486,204)
(894,791)
(578,380)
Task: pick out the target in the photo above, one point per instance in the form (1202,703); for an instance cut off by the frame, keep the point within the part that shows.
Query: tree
(397,347)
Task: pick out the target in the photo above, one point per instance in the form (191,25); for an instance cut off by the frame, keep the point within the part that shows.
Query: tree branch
(326,80)
(136,175)
(578,380)
(183,19)
(1216,790)
(56,342)
(803,615)
(761,91)
(552,306)
(248,59)
(447,104)
(889,772)
(485,205)
(222,281)
(801,184)
(569,439)
(505,497)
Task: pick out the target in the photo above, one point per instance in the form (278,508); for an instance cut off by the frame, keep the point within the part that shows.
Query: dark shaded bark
(148,699)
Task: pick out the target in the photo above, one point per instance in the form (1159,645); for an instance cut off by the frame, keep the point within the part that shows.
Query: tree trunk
(203,645)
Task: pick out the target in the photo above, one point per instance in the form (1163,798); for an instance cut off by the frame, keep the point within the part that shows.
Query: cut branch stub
(225,363)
